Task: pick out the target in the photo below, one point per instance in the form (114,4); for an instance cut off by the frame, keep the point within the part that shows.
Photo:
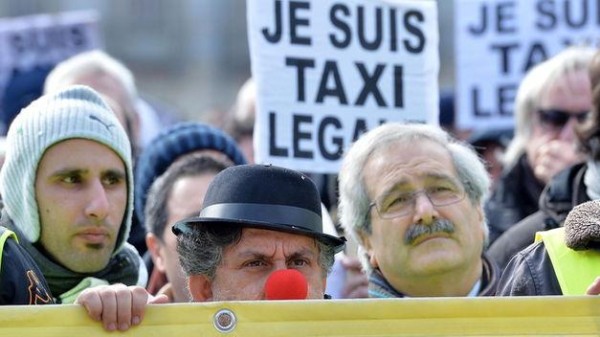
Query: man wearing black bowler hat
(256,220)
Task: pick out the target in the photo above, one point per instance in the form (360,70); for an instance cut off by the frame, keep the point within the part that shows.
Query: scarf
(486,286)
(380,288)
(591,179)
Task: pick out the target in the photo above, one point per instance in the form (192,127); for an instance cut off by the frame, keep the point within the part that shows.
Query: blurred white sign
(30,46)
(327,71)
(497,41)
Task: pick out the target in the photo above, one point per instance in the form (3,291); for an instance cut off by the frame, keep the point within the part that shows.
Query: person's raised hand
(594,288)
(356,284)
(552,157)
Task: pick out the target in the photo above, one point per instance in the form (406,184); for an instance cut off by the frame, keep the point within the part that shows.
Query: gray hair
(97,63)
(243,112)
(156,210)
(93,62)
(201,249)
(538,80)
(354,200)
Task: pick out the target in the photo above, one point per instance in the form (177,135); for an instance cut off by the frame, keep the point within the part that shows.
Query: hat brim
(337,243)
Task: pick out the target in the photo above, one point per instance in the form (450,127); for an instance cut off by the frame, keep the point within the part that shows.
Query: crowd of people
(431,214)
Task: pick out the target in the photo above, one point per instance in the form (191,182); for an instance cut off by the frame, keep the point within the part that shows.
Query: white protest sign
(497,41)
(30,46)
(327,71)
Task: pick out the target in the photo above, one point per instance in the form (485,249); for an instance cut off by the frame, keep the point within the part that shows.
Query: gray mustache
(418,229)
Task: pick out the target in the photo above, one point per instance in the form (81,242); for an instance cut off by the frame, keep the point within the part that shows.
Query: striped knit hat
(74,112)
(170,144)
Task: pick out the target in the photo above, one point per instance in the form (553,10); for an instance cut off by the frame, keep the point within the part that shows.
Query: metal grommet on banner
(225,320)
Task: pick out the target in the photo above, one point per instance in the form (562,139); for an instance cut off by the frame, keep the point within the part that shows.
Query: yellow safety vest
(4,235)
(574,269)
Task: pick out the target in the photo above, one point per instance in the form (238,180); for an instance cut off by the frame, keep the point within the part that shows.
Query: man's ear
(366,247)
(481,217)
(373,260)
(154,247)
(200,288)
(364,240)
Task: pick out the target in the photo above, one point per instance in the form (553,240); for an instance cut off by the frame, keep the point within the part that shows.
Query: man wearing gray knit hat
(67,187)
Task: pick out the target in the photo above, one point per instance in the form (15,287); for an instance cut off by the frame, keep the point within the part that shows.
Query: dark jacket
(21,281)
(123,267)
(515,197)
(529,273)
(565,191)
(380,288)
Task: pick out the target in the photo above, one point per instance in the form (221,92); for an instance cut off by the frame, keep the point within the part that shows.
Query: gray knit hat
(74,112)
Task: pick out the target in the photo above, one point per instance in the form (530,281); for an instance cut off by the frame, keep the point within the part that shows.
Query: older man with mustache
(412,196)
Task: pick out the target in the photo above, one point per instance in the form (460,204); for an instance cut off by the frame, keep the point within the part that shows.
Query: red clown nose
(286,284)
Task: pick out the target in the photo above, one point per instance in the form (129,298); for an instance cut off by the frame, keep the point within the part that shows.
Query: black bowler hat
(263,196)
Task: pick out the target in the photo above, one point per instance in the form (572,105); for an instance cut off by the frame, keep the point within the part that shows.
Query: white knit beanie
(74,112)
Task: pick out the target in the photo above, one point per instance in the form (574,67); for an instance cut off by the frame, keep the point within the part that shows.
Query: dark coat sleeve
(516,239)
(529,273)
(21,281)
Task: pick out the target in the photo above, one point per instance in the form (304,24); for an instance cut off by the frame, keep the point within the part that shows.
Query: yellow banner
(517,316)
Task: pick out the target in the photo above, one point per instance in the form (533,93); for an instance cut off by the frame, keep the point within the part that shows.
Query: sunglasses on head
(557,118)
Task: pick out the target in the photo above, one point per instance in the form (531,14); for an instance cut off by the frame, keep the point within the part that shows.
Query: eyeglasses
(557,119)
(398,204)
